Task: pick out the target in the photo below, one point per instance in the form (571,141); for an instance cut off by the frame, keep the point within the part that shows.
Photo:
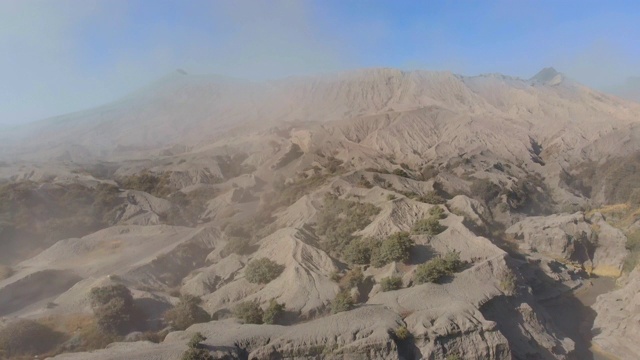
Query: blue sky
(67,55)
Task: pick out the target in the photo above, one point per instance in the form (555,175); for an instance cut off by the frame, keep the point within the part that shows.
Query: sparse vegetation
(342,302)
(186,313)
(196,351)
(339,219)
(249,312)
(262,271)
(156,185)
(434,270)
(273,314)
(429,226)
(391,283)
(27,338)
(633,245)
(353,278)
(485,190)
(508,283)
(34,217)
(401,172)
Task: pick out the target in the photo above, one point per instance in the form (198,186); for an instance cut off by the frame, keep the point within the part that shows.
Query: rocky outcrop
(363,333)
(463,317)
(616,328)
(593,243)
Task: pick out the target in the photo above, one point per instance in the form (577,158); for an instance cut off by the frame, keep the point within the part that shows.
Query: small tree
(196,350)
(249,312)
(342,302)
(114,309)
(186,313)
(274,312)
(391,283)
(262,271)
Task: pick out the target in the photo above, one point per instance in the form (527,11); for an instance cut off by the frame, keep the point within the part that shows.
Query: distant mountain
(195,109)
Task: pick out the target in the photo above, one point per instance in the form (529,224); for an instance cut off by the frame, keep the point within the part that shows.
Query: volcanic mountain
(393,214)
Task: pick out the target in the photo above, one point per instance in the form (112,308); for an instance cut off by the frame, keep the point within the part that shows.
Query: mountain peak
(548,76)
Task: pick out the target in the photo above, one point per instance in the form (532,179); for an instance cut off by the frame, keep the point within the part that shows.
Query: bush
(508,283)
(396,247)
(432,197)
(196,350)
(358,252)
(249,312)
(274,312)
(262,271)
(437,213)
(401,333)
(434,270)
(114,309)
(342,302)
(633,245)
(391,283)
(186,313)
(353,278)
(429,226)
(27,338)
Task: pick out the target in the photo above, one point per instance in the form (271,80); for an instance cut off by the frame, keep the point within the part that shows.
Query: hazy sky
(67,55)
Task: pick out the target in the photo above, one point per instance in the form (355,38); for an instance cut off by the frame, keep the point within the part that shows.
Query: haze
(65,56)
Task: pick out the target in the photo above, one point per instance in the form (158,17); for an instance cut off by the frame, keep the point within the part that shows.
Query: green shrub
(249,312)
(429,226)
(437,212)
(196,350)
(434,270)
(391,197)
(432,197)
(633,245)
(114,309)
(342,302)
(508,283)
(396,247)
(273,314)
(186,313)
(391,283)
(401,333)
(358,252)
(27,338)
(262,271)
